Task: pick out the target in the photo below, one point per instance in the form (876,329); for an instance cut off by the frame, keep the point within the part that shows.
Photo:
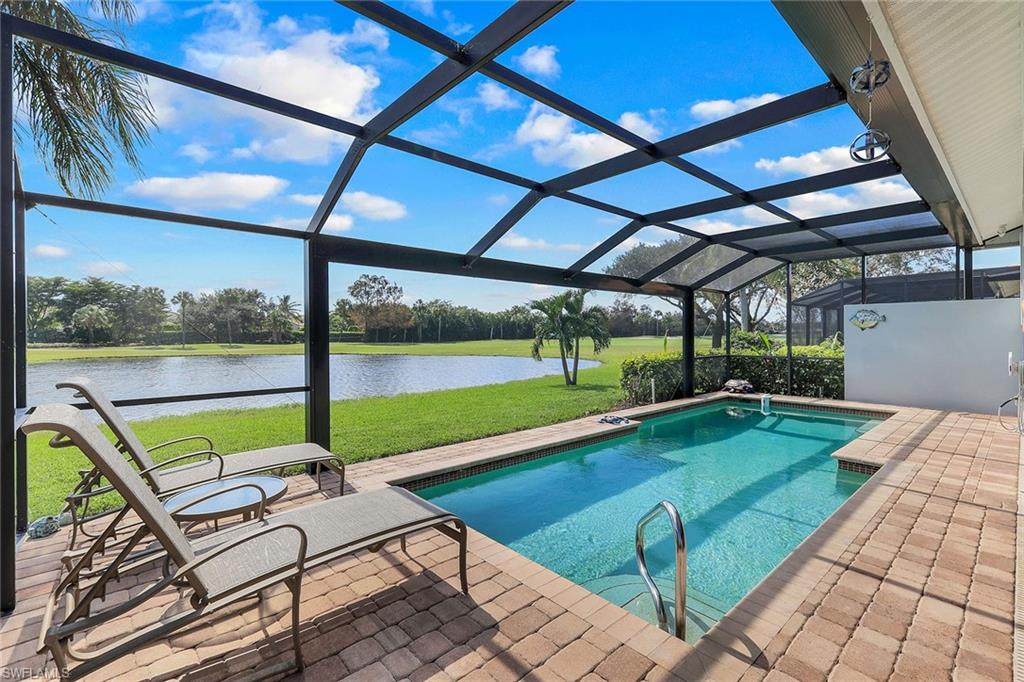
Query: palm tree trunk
(565,364)
(183,327)
(575,360)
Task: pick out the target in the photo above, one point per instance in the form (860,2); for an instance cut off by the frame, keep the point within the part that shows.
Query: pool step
(630,592)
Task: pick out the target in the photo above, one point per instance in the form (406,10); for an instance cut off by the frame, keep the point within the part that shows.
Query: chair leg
(402,540)
(463,542)
(295,585)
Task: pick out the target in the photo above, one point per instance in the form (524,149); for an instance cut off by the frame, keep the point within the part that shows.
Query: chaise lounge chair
(165,481)
(218,569)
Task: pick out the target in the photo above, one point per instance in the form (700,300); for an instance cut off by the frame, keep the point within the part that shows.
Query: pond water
(352,376)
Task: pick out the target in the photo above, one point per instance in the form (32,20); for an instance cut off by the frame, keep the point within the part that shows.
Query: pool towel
(612,419)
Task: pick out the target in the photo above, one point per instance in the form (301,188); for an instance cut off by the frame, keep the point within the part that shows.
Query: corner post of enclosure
(863,280)
(789,329)
(688,343)
(7,340)
(956,279)
(968,273)
(728,336)
(318,347)
(21,344)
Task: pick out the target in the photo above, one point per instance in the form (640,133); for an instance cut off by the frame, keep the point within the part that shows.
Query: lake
(352,376)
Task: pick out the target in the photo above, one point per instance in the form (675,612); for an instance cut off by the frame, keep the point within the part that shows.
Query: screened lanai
(687,259)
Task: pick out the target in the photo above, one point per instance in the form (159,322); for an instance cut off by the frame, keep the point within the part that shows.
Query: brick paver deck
(912,578)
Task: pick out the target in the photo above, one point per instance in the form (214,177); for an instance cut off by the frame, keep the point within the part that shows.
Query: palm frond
(81,113)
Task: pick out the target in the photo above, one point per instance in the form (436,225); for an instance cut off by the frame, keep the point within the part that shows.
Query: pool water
(749,489)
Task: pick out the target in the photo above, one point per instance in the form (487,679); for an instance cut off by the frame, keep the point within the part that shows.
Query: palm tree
(182,299)
(584,323)
(81,112)
(565,319)
(287,306)
(278,322)
(230,300)
(91,317)
(552,327)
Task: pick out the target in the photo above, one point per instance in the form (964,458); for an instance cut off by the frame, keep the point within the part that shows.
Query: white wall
(947,355)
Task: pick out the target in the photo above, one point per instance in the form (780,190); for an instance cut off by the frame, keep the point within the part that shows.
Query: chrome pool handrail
(679,535)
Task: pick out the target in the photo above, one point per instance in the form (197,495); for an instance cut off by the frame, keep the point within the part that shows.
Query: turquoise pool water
(748,487)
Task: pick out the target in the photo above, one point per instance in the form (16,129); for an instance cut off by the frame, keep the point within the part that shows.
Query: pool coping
(739,639)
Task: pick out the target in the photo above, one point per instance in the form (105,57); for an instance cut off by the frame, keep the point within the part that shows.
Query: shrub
(754,341)
(665,368)
(817,372)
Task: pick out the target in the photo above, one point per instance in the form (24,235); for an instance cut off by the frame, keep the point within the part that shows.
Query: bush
(665,368)
(753,341)
(817,372)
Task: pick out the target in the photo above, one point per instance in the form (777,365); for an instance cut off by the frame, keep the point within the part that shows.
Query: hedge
(817,372)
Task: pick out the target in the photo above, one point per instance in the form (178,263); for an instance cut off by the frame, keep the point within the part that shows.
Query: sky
(657,68)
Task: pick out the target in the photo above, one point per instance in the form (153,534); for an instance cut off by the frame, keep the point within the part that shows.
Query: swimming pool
(749,489)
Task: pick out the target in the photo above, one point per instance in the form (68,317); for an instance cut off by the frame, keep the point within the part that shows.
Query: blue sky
(657,68)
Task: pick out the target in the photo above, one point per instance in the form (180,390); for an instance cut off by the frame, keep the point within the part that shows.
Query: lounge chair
(165,481)
(221,568)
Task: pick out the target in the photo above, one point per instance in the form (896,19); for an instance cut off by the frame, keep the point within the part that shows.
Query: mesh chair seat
(334,527)
(243,463)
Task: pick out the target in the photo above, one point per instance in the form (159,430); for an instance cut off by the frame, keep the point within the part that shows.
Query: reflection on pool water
(748,487)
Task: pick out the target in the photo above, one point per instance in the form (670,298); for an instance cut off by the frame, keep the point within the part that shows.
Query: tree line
(96,310)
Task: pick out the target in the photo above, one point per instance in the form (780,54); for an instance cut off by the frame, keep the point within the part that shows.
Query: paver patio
(912,578)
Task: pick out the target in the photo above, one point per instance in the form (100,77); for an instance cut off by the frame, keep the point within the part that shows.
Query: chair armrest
(300,559)
(210,453)
(185,439)
(95,492)
(223,491)
(61,441)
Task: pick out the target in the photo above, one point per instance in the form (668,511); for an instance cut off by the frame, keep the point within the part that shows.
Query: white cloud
(50,251)
(636,123)
(339,223)
(513,240)
(195,151)
(105,268)
(336,223)
(556,140)
(289,60)
(489,95)
(811,163)
(156,10)
(495,97)
(863,195)
(306,199)
(713,109)
(540,61)
(366,33)
(720,148)
(209,190)
(498,200)
(454,26)
(373,206)
(168,101)
(424,7)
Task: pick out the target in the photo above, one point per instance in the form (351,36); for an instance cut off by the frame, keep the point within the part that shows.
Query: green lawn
(367,428)
(514,347)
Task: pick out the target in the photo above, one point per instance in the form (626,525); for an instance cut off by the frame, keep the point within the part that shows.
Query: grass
(518,347)
(368,428)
